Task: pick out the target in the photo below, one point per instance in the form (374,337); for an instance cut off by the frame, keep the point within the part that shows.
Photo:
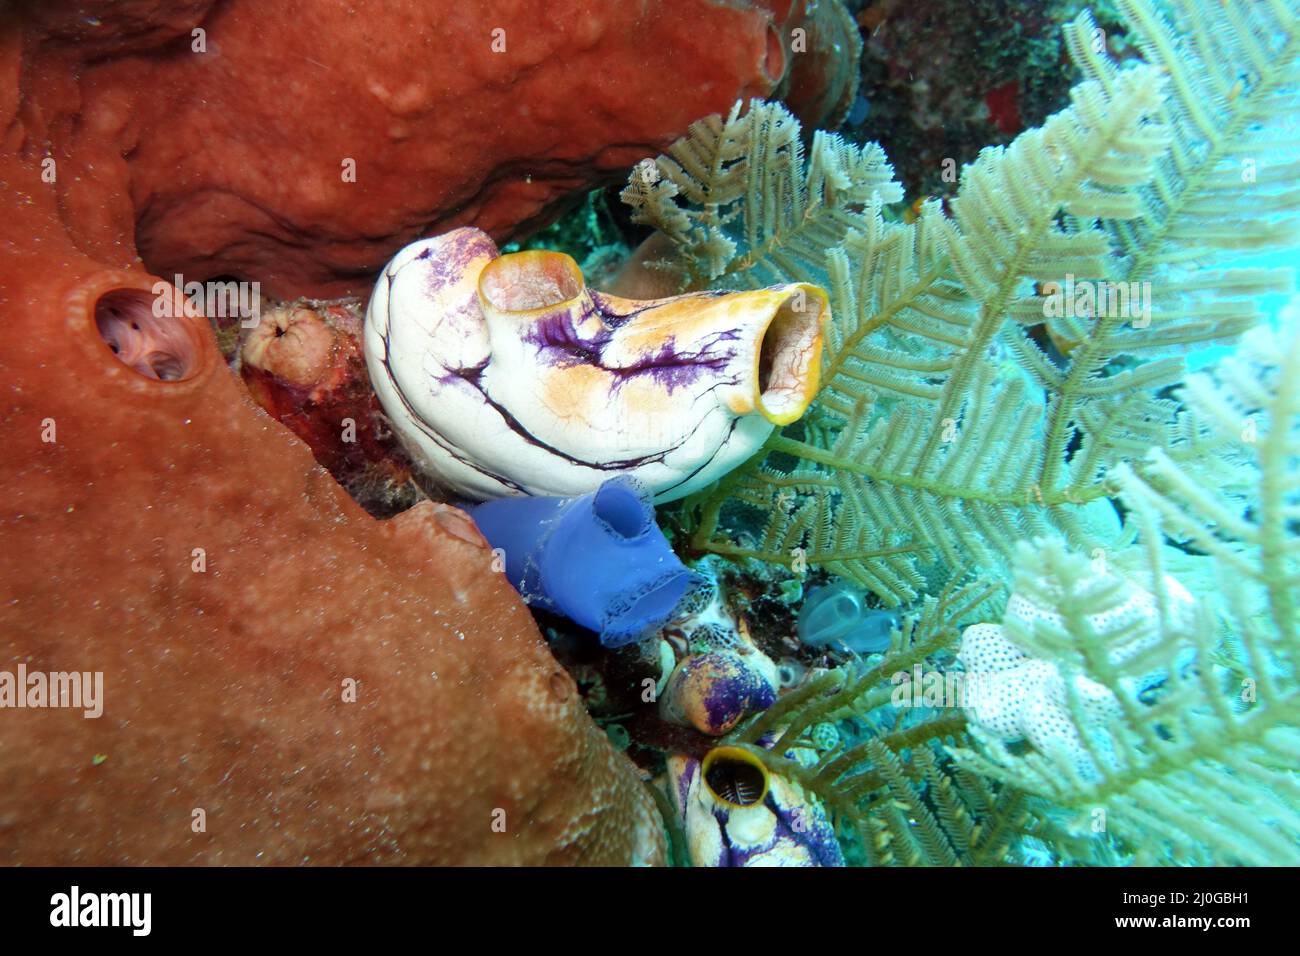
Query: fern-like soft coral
(746,180)
(1203,771)
(1226,185)
(972,404)
(896,795)
(960,412)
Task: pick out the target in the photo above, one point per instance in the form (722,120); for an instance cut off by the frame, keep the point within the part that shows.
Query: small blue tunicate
(858,114)
(599,559)
(837,616)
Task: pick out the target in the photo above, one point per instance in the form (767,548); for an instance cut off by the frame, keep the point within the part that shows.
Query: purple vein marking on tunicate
(726,850)
(469,374)
(684,782)
(821,837)
(559,342)
(811,832)
(442,443)
(728,695)
(556,337)
(782,831)
(454,255)
(473,377)
(709,461)
(433,436)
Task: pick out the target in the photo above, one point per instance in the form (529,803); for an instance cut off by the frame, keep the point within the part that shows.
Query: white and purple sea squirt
(733,812)
(506,375)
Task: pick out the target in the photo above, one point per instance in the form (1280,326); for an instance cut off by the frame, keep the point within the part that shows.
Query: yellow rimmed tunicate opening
(527,282)
(734,776)
(788,361)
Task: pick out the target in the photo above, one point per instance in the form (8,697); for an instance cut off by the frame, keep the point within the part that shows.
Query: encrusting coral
(1015,696)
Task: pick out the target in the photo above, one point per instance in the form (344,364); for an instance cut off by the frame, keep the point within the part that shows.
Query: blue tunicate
(599,560)
(837,616)
(858,114)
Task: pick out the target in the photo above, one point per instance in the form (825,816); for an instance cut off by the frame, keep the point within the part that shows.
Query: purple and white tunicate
(506,375)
